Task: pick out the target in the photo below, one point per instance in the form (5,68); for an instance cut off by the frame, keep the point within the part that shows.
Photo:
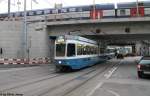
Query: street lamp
(137,8)
(9,8)
(25,31)
(94,10)
(18,4)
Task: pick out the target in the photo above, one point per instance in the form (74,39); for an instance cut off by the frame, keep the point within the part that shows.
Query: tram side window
(79,49)
(71,50)
(84,52)
(88,50)
(95,50)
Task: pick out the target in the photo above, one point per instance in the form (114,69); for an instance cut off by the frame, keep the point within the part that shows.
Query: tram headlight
(59,62)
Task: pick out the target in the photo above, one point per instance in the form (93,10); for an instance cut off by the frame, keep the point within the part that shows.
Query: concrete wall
(11,39)
(38,40)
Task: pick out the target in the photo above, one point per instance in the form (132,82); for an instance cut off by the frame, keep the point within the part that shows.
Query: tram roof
(79,38)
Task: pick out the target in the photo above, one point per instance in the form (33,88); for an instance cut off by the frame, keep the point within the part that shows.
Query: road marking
(113,92)
(110,72)
(93,91)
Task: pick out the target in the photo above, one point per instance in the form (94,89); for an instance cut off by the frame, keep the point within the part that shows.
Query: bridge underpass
(121,32)
(140,42)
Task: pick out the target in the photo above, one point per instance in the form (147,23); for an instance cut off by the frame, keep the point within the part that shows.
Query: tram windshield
(60,50)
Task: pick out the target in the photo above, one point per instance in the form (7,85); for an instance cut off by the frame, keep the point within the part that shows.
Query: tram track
(22,84)
(8,88)
(82,83)
(48,90)
(78,85)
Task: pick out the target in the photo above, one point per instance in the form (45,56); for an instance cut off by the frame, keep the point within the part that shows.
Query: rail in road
(98,79)
(90,73)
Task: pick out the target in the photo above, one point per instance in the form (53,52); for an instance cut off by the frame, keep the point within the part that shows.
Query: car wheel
(140,74)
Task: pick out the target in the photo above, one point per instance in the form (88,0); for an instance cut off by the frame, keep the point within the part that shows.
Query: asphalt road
(112,78)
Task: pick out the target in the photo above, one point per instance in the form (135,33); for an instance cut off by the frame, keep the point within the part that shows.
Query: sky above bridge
(40,4)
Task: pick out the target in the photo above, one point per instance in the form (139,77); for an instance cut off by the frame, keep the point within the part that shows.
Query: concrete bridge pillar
(102,46)
(142,48)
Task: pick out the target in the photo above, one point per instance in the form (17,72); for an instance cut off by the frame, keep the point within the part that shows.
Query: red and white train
(85,12)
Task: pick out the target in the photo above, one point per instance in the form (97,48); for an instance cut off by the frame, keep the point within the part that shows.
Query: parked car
(143,67)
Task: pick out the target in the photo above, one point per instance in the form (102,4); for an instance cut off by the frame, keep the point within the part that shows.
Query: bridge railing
(74,16)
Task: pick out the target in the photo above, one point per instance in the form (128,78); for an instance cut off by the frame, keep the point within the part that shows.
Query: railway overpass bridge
(102,27)
(110,31)
(113,31)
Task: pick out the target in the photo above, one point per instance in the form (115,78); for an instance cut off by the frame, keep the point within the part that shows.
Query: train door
(133,11)
(96,14)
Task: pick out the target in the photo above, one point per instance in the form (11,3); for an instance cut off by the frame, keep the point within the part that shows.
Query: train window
(122,12)
(39,12)
(63,10)
(22,13)
(102,50)
(140,4)
(91,49)
(60,50)
(31,13)
(84,52)
(80,10)
(18,14)
(79,49)
(47,12)
(71,50)
(72,9)
(88,49)
(11,14)
(54,11)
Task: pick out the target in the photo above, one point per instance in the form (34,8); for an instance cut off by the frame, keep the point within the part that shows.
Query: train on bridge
(75,52)
(96,11)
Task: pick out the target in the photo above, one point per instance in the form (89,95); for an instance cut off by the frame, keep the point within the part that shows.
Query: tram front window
(60,50)
(71,50)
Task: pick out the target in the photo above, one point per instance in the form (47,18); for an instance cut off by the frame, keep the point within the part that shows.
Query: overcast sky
(50,3)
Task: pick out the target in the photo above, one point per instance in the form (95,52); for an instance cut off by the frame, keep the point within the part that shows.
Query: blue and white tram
(74,52)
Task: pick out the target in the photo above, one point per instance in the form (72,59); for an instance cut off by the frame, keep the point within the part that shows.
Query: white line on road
(93,91)
(110,72)
(112,92)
